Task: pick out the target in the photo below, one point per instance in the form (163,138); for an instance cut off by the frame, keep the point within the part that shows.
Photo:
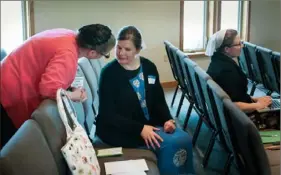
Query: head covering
(215,42)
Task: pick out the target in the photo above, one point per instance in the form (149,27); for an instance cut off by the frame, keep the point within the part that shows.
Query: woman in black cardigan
(223,47)
(133,111)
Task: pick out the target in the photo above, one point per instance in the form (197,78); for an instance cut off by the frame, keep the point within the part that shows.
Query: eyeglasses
(239,44)
(105,55)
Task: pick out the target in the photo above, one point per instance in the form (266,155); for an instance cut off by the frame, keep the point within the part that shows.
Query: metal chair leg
(180,104)
(227,164)
(187,115)
(175,94)
(197,130)
(209,149)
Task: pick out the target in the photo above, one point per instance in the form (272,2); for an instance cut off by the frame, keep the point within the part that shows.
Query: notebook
(270,136)
(110,152)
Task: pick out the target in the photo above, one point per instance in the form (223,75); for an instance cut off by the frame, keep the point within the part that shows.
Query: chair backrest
(219,94)
(189,72)
(170,58)
(47,117)
(200,101)
(177,66)
(185,75)
(202,77)
(247,141)
(91,76)
(3,54)
(252,57)
(87,109)
(267,70)
(244,63)
(27,152)
(276,65)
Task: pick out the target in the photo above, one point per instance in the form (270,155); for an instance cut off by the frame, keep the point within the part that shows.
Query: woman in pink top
(44,63)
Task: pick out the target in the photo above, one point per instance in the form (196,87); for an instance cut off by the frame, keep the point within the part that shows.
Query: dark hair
(229,37)
(97,37)
(131,33)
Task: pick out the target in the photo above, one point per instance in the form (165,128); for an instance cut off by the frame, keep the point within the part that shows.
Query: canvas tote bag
(78,151)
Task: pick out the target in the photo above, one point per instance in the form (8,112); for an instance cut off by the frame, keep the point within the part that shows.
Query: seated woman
(133,112)
(223,47)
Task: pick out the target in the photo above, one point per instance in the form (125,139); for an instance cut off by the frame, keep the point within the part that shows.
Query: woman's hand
(77,95)
(169,126)
(263,102)
(150,137)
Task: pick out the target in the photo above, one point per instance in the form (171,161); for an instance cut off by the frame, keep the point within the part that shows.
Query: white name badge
(78,82)
(151,79)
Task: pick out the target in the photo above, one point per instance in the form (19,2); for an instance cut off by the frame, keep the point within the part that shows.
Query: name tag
(78,82)
(151,79)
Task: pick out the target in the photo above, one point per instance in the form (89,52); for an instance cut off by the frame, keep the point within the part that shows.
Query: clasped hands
(151,138)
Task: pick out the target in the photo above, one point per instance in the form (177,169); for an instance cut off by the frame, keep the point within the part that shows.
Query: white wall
(158,21)
(265,24)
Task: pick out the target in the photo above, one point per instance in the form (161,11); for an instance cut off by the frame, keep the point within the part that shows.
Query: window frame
(212,14)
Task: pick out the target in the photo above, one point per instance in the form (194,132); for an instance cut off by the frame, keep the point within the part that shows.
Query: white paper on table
(127,166)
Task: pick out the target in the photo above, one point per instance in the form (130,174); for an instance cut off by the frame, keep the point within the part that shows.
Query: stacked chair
(228,126)
(35,148)
(262,67)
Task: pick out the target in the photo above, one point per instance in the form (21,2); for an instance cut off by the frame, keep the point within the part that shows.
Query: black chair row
(262,66)
(229,126)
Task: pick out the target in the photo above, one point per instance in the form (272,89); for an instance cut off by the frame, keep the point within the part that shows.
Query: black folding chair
(179,73)
(189,64)
(187,90)
(172,65)
(249,153)
(200,102)
(267,70)
(210,114)
(218,96)
(276,65)
(254,66)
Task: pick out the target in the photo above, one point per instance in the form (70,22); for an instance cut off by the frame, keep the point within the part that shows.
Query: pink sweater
(35,70)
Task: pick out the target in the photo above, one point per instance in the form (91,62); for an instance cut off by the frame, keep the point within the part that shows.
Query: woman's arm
(59,73)
(260,103)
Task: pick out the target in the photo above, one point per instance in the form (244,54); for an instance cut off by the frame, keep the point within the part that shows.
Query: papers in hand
(110,152)
(126,167)
(78,82)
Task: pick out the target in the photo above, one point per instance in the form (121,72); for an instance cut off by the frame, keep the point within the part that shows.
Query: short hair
(229,37)
(97,37)
(131,33)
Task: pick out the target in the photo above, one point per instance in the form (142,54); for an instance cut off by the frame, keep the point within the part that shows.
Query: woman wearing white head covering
(223,46)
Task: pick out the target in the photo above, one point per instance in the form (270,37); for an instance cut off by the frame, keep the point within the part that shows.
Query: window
(229,15)
(194,25)
(200,19)
(13,24)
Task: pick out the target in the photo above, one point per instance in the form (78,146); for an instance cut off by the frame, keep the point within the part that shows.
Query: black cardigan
(121,119)
(226,73)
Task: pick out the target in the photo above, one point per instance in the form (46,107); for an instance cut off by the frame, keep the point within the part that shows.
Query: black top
(228,75)
(121,118)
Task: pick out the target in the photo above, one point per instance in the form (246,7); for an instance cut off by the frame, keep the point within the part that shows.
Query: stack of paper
(110,152)
(136,167)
